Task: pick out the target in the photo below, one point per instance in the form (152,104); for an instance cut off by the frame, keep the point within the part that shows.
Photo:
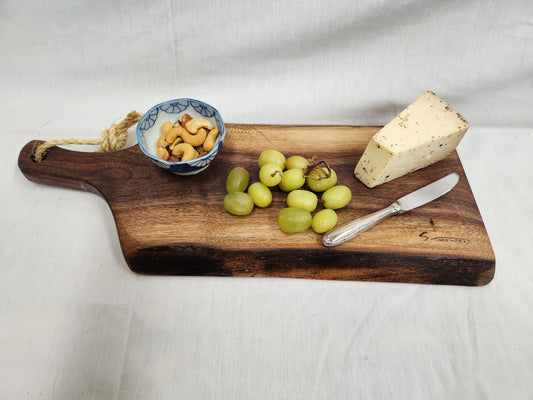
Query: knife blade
(415,199)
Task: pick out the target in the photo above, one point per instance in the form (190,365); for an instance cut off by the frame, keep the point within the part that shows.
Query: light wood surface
(170,224)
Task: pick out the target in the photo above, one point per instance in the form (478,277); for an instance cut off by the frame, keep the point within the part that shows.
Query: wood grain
(170,224)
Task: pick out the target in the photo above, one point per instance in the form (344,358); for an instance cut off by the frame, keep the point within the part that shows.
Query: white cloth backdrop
(75,323)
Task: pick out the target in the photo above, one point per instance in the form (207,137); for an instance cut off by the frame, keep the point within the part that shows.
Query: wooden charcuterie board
(176,225)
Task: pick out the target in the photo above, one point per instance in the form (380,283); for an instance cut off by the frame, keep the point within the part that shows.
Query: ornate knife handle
(346,231)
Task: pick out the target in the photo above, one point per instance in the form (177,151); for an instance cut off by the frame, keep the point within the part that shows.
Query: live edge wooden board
(176,225)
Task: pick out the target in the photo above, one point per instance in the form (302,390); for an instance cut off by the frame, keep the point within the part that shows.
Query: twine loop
(112,139)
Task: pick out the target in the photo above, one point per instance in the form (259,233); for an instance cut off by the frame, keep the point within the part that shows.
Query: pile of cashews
(186,139)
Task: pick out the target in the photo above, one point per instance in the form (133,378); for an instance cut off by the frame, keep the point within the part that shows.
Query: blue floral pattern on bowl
(149,130)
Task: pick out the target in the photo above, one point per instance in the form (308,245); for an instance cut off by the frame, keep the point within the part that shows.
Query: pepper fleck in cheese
(427,131)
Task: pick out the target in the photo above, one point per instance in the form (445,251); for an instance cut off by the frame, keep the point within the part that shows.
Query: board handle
(64,168)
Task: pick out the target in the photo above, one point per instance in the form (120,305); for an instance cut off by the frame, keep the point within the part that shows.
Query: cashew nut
(210,140)
(174,133)
(196,123)
(162,153)
(185,151)
(162,142)
(194,140)
(167,126)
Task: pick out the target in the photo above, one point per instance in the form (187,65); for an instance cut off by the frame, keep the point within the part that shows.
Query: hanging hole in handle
(43,157)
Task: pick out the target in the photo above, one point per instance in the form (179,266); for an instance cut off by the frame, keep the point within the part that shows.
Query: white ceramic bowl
(149,131)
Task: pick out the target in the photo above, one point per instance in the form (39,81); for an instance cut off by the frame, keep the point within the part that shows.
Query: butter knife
(415,199)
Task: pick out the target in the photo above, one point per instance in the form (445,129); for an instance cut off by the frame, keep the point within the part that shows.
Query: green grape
(336,197)
(318,181)
(270,174)
(261,194)
(324,220)
(238,203)
(294,219)
(297,162)
(302,199)
(237,180)
(271,157)
(292,179)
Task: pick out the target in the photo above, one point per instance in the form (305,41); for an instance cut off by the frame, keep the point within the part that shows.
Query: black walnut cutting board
(176,225)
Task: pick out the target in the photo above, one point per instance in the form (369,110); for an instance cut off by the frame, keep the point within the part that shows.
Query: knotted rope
(113,138)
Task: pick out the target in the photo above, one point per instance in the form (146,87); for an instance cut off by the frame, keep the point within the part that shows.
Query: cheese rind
(425,132)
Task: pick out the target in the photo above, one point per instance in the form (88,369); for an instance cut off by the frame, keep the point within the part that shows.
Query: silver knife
(418,198)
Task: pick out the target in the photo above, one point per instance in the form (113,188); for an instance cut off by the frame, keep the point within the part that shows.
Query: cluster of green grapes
(289,175)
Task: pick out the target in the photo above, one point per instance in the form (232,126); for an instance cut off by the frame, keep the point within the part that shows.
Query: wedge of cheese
(427,131)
